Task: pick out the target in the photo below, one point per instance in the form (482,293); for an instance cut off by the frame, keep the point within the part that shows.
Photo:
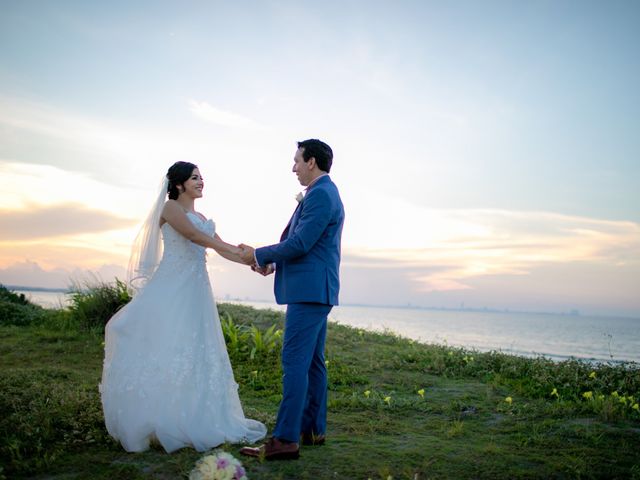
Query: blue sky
(487,152)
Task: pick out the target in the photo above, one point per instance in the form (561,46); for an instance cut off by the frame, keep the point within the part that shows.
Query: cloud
(43,134)
(31,274)
(443,250)
(56,221)
(114,151)
(508,268)
(214,115)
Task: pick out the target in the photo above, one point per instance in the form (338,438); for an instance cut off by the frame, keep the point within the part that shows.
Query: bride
(167,375)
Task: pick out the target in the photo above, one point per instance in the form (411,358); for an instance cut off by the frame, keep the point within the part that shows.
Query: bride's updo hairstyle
(177,174)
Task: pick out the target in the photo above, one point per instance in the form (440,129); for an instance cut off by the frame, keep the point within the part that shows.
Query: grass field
(397,409)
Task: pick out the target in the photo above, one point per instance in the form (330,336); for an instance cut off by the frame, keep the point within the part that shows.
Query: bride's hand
(247,254)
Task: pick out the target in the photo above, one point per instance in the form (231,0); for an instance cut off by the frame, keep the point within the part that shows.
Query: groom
(306,264)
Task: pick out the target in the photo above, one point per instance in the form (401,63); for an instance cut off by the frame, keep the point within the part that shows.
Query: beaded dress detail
(167,374)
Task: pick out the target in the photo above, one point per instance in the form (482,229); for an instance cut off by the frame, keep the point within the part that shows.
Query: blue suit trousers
(304,374)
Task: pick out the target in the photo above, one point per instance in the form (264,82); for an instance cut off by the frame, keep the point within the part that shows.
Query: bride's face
(194,184)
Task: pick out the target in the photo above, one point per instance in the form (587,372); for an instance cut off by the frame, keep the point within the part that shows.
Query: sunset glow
(486,153)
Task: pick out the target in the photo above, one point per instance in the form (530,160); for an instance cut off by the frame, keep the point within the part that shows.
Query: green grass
(51,422)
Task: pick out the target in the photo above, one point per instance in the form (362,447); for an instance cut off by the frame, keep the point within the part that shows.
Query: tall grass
(93,303)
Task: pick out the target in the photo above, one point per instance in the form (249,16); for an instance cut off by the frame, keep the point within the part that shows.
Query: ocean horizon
(558,336)
(573,312)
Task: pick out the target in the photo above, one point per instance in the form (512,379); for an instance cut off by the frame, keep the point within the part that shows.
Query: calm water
(46,299)
(554,336)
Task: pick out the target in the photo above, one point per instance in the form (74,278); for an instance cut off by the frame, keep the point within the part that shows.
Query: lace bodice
(180,250)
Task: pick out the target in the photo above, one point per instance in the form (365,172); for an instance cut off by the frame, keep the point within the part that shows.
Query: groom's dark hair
(320,151)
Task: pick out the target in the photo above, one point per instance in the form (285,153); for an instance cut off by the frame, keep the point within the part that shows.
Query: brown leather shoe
(274,449)
(312,439)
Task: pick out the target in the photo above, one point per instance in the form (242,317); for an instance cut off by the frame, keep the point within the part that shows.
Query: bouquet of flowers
(218,466)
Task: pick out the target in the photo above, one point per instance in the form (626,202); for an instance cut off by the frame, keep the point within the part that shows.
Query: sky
(487,152)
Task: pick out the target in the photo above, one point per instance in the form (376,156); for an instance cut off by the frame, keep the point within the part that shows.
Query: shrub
(7,295)
(249,341)
(93,305)
(17,310)
(235,336)
(264,343)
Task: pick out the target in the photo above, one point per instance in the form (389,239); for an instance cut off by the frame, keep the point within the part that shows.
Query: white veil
(146,250)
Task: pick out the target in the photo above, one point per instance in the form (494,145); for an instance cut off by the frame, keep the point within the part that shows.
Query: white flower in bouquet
(218,466)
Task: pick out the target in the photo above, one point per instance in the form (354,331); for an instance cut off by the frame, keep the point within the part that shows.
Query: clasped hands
(248,257)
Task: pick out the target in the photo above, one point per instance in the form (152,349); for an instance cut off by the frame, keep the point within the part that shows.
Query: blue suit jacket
(308,256)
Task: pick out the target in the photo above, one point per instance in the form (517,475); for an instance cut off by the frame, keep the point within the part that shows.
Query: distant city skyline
(38,299)
(486,152)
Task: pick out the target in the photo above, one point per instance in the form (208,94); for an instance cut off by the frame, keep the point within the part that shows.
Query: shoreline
(501,311)
(474,331)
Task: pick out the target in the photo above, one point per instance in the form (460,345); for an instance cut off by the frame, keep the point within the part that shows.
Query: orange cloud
(56,221)
(495,242)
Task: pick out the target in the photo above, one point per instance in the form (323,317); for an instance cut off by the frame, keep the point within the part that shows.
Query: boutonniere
(299,197)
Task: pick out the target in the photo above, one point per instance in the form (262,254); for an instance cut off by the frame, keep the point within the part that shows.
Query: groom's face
(302,169)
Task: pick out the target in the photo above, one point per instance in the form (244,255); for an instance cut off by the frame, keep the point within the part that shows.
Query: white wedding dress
(167,375)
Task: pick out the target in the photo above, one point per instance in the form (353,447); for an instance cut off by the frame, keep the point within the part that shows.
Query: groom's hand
(264,271)
(247,255)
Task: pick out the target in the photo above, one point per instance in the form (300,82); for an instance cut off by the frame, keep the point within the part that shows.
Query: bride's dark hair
(177,174)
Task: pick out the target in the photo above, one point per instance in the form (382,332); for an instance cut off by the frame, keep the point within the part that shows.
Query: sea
(597,339)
